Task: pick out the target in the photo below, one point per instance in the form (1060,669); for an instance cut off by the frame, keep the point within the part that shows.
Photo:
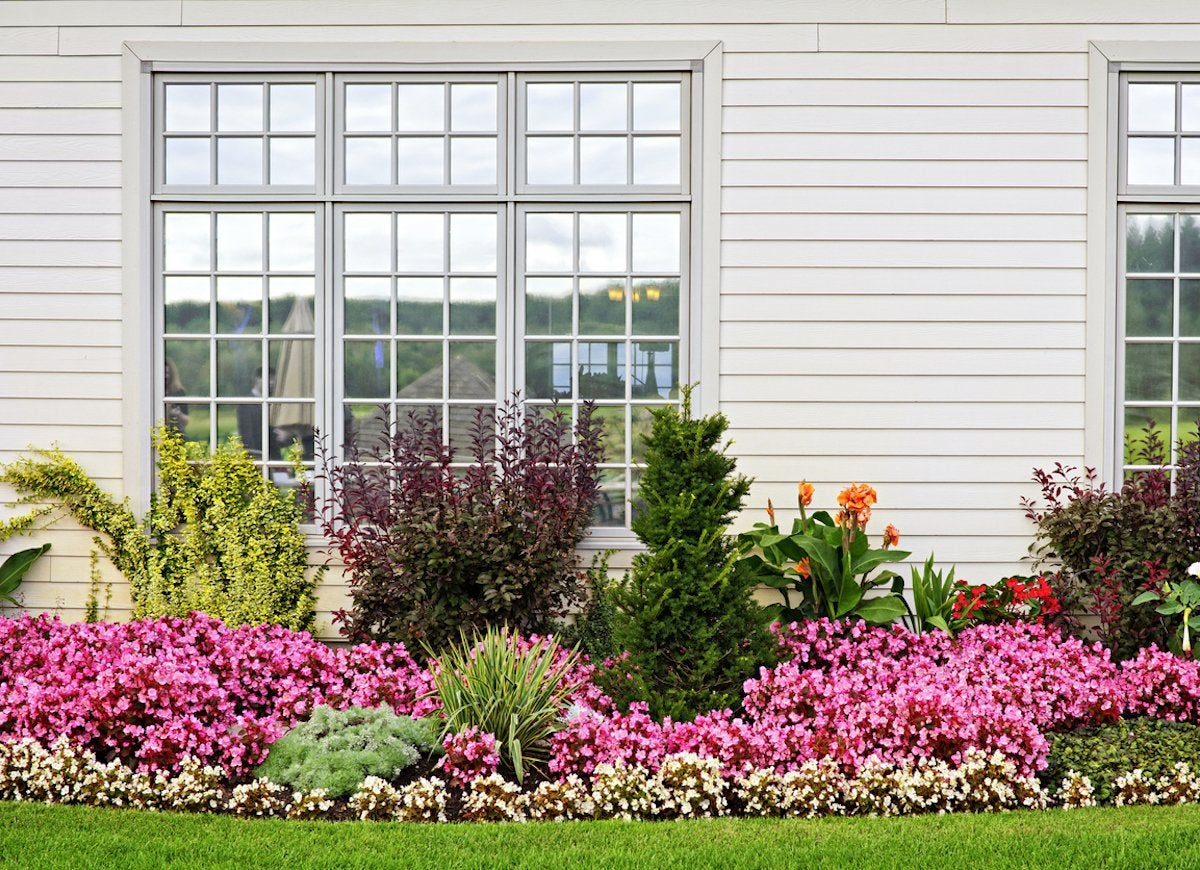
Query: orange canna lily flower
(803,568)
(806,493)
(857,497)
(770,512)
(891,536)
(863,516)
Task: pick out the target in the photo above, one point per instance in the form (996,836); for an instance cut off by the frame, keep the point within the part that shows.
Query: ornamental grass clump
(513,689)
(336,749)
(437,543)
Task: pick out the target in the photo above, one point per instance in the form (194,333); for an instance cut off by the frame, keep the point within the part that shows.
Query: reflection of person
(249,418)
(176,414)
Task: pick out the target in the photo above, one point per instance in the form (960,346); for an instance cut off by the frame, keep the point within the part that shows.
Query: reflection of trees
(1149,243)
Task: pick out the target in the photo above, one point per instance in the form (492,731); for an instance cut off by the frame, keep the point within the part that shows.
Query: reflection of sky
(549,106)
(656,242)
(187,108)
(368,237)
(239,241)
(292,161)
(548,242)
(239,161)
(187,161)
(420,242)
(656,106)
(368,160)
(240,108)
(293,107)
(472,107)
(1151,161)
(656,159)
(368,107)
(419,161)
(1151,107)
(421,108)
(603,106)
(472,290)
(473,160)
(602,242)
(473,242)
(550,160)
(292,242)
(602,160)
(186,244)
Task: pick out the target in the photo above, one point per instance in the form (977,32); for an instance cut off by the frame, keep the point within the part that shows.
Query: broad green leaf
(1147,596)
(882,610)
(819,552)
(14,568)
(869,560)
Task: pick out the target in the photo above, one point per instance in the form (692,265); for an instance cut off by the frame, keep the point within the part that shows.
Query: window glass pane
(419,306)
(284,295)
(239,161)
(549,242)
(293,108)
(1151,161)
(1191,107)
(420,242)
(293,161)
(187,243)
(602,242)
(367,306)
(420,161)
(292,241)
(612,422)
(366,425)
(292,369)
(419,369)
(473,161)
(187,368)
(1189,243)
(602,306)
(1148,372)
(368,107)
(602,160)
(548,369)
(655,369)
(461,422)
(1136,421)
(656,160)
(1189,157)
(368,242)
(473,107)
(237,360)
(1149,243)
(473,306)
(239,241)
(367,369)
(291,422)
(191,419)
(421,108)
(602,369)
(188,161)
(473,242)
(549,106)
(248,420)
(550,160)
(656,242)
(656,306)
(548,306)
(239,304)
(1151,107)
(1189,308)
(603,106)
(473,370)
(656,105)
(1189,372)
(185,305)
(1148,307)
(610,502)
(187,108)
(240,107)
(641,421)
(368,161)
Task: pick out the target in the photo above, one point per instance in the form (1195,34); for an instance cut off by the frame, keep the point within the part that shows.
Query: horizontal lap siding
(902,215)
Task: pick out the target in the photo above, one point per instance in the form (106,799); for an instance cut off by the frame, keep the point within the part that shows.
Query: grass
(36,836)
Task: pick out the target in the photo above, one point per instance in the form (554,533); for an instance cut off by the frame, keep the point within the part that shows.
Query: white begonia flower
(1194,569)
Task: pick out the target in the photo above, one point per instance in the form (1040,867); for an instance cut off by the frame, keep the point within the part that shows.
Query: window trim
(141,60)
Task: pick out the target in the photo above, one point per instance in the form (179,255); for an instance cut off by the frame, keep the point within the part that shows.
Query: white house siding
(902,223)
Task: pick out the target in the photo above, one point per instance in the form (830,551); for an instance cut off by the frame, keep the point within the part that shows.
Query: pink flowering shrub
(470,753)
(152,691)
(1162,685)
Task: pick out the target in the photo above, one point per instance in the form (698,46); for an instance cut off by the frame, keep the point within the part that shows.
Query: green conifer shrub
(337,749)
(688,620)
(218,537)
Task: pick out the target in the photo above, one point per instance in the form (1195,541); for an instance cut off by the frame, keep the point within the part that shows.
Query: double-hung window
(336,249)
(1158,193)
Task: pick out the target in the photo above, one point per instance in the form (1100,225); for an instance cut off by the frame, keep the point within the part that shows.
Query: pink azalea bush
(155,690)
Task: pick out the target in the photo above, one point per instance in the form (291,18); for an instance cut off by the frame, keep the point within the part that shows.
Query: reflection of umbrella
(294,375)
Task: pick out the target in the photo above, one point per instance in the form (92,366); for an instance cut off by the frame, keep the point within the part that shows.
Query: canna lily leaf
(14,568)
(882,610)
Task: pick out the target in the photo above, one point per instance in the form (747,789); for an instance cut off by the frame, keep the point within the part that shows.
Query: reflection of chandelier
(652,294)
(616,294)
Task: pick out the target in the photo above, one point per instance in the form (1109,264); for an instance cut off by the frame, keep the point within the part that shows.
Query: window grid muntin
(327,196)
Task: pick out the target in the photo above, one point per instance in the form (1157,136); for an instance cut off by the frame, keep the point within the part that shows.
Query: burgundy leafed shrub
(434,547)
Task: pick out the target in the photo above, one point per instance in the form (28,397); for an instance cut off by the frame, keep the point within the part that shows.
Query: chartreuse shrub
(335,750)
(688,619)
(218,537)
(1105,752)
(1109,546)
(437,541)
(512,688)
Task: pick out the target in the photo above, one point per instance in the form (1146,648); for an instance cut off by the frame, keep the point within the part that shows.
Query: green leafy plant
(514,689)
(592,631)
(14,568)
(1105,752)
(686,617)
(933,595)
(218,536)
(1180,599)
(823,567)
(336,750)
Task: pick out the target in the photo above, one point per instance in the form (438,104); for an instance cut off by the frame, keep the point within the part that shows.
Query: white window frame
(142,61)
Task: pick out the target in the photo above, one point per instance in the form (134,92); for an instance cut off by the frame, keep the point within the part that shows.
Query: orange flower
(806,493)
(802,567)
(863,517)
(857,497)
(770,512)
(891,536)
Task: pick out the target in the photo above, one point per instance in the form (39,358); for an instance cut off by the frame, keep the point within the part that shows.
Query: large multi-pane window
(336,250)
(1159,194)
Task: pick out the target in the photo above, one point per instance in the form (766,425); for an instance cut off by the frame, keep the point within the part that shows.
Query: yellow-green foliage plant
(218,537)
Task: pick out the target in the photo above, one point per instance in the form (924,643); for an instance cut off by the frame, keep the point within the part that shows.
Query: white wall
(902,234)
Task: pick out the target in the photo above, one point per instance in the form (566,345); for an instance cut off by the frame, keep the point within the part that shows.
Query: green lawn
(36,836)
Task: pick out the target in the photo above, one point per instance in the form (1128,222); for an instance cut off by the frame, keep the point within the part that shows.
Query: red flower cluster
(1016,599)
